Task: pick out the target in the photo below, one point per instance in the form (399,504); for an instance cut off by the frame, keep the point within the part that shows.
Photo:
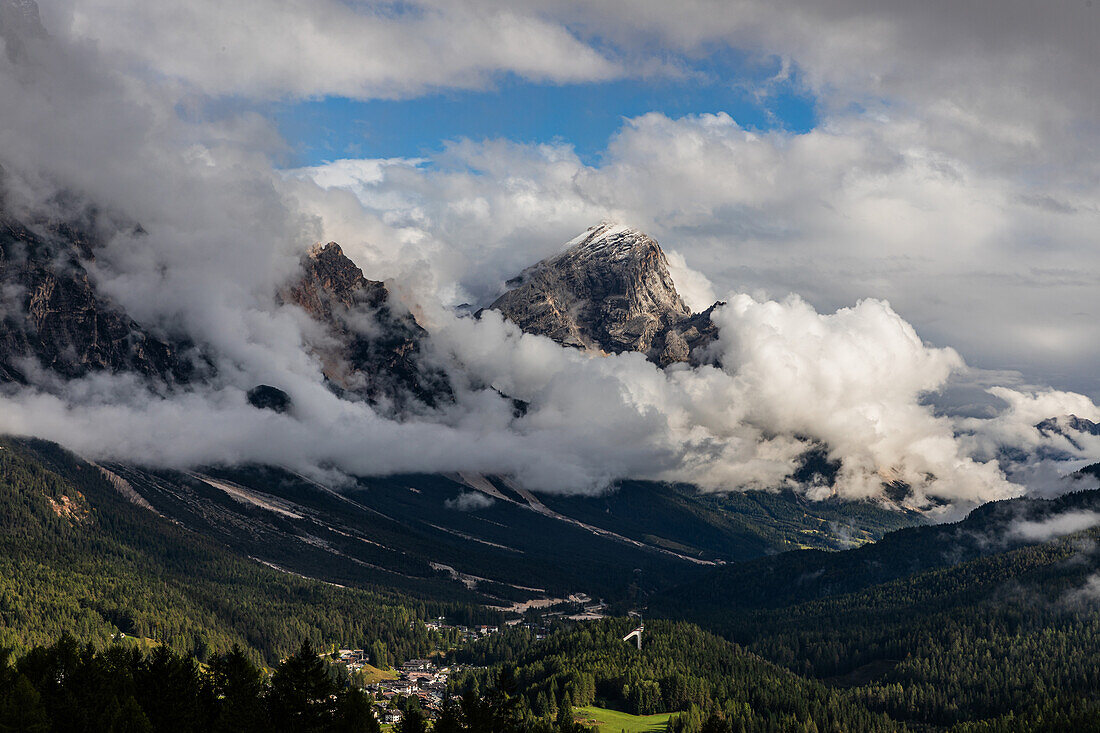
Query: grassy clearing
(612,721)
(144,643)
(372,674)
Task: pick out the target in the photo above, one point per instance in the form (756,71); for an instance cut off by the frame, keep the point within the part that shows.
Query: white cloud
(1010,82)
(852,380)
(693,286)
(837,213)
(860,208)
(1013,427)
(1006,76)
(1053,527)
(273,49)
(470,501)
(1087,595)
(854,212)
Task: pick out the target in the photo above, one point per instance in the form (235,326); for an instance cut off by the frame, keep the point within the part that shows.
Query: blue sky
(584,115)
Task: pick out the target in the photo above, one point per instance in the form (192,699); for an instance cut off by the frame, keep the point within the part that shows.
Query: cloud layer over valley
(900,236)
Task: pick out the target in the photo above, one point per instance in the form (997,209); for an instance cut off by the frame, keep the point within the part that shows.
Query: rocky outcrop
(266,397)
(609,291)
(52,317)
(373,348)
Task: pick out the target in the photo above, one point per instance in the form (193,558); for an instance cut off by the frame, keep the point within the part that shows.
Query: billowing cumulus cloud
(859,208)
(1013,426)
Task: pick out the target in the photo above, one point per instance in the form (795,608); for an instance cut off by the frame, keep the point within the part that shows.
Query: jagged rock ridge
(53,317)
(609,291)
(56,325)
(374,349)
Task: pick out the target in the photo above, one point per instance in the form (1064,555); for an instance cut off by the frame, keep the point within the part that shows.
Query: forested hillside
(988,624)
(1008,636)
(78,557)
(793,577)
(679,668)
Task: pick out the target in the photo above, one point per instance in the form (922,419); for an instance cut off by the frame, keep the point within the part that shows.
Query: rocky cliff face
(374,349)
(609,291)
(53,318)
(54,324)
(19,23)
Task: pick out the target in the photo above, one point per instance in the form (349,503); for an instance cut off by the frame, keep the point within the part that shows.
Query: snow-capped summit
(611,240)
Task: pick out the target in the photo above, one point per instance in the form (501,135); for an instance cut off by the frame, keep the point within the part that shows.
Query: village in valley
(419,678)
(426,680)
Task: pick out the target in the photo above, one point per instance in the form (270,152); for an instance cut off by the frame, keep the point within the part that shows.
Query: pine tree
(412,721)
(21,709)
(301,696)
(237,687)
(355,714)
(131,719)
(450,718)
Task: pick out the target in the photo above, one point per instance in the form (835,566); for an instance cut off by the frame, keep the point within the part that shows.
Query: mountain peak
(373,346)
(330,251)
(612,240)
(330,278)
(608,291)
(1063,423)
(1070,427)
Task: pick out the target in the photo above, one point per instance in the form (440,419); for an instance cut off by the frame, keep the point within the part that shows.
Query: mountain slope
(485,536)
(735,526)
(407,532)
(795,577)
(79,556)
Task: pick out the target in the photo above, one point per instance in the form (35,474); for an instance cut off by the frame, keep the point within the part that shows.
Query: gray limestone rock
(374,349)
(52,317)
(609,291)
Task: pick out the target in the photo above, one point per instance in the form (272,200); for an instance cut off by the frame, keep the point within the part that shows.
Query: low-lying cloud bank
(223,231)
(1057,526)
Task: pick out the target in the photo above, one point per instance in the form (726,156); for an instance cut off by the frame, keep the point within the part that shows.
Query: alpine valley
(246,486)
